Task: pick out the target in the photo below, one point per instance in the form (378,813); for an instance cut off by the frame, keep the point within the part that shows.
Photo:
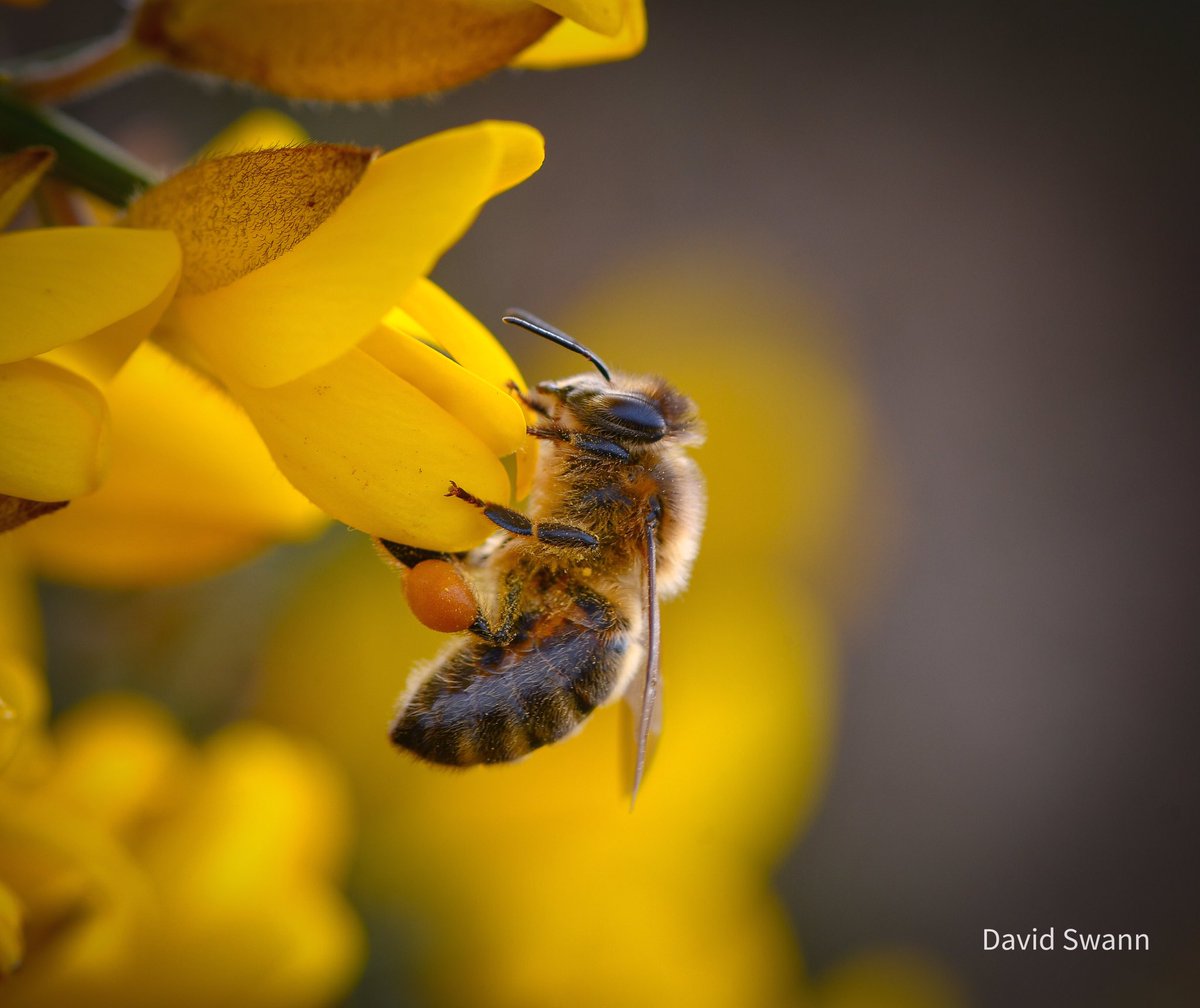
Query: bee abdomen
(498,708)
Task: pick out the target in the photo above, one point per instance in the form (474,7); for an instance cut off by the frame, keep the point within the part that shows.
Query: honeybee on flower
(570,612)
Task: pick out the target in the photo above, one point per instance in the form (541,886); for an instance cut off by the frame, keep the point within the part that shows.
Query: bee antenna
(517,317)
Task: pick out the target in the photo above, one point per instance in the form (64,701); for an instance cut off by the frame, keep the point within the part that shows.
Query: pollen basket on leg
(439,596)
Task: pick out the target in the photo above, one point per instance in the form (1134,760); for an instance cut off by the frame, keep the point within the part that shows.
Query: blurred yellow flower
(145,872)
(304,294)
(369,50)
(23,700)
(137,870)
(77,300)
(888,978)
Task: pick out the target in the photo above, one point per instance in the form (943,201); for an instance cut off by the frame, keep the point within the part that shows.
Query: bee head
(629,410)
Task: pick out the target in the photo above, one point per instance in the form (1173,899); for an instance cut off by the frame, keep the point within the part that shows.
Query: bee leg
(550,533)
(410,556)
(549,433)
(588,444)
(528,401)
(502,631)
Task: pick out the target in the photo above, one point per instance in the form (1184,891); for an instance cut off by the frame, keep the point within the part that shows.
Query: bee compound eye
(632,416)
(439,596)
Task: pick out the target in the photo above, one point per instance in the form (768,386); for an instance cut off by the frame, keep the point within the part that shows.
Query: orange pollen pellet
(439,596)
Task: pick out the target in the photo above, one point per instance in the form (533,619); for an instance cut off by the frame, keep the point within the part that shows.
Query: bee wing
(641,744)
(644,693)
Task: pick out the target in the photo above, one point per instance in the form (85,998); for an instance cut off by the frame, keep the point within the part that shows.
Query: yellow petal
(376,453)
(185,881)
(468,341)
(253,855)
(570,43)
(710,940)
(257,129)
(460,334)
(58,285)
(369,50)
(19,173)
(99,356)
(120,761)
(268,809)
(54,432)
(62,867)
(295,947)
(603,16)
(489,413)
(191,489)
(313,303)
(234,214)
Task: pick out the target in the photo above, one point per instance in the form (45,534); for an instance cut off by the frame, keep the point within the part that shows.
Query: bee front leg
(529,401)
(550,533)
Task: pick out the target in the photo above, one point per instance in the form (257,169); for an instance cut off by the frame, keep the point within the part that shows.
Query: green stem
(85,158)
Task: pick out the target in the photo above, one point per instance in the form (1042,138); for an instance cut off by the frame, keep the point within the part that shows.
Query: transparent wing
(644,693)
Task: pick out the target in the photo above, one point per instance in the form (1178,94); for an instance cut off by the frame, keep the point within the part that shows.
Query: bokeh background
(988,218)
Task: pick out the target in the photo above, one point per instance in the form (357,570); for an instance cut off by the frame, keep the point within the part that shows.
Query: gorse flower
(369,50)
(190,488)
(138,870)
(316,350)
(144,872)
(77,301)
(369,385)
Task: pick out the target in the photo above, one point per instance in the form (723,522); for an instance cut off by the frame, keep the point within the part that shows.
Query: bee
(558,612)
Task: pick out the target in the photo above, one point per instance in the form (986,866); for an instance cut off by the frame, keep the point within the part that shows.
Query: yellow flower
(887,978)
(23,700)
(304,294)
(167,477)
(537,873)
(590,33)
(137,870)
(77,300)
(369,50)
(145,872)
(191,488)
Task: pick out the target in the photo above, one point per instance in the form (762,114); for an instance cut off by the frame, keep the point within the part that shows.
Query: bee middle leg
(550,533)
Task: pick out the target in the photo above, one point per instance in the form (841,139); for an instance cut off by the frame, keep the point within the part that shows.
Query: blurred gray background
(1000,207)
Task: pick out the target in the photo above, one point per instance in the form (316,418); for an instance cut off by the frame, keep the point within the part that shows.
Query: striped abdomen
(490,703)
